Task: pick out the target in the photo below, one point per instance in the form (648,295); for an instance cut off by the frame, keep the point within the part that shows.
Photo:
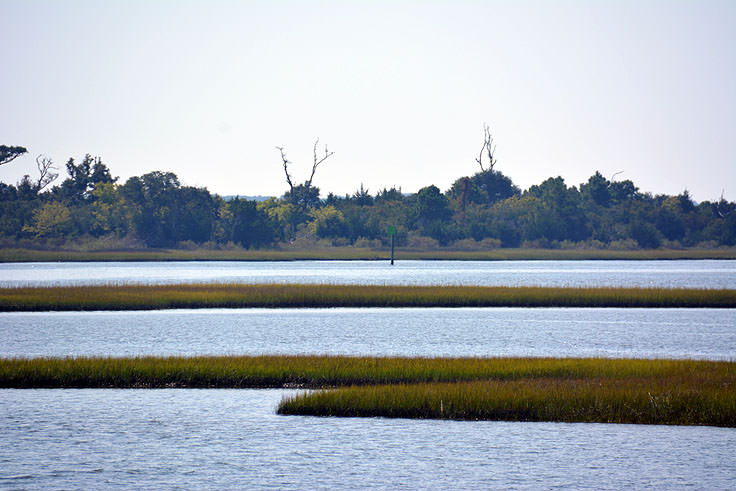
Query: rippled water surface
(640,333)
(227,439)
(685,274)
(194,439)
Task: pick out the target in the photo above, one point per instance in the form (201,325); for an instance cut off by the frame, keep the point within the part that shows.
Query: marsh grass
(153,297)
(332,371)
(518,389)
(356,253)
(603,400)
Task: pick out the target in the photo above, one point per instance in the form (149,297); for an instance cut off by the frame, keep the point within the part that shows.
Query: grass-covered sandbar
(219,295)
(519,389)
(10,254)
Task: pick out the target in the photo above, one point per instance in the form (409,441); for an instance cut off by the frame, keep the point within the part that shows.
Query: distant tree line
(485,210)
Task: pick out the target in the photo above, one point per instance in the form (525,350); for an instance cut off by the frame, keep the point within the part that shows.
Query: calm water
(168,439)
(686,274)
(641,333)
(193,439)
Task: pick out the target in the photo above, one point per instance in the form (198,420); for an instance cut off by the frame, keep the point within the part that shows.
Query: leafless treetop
(45,167)
(317,160)
(488,148)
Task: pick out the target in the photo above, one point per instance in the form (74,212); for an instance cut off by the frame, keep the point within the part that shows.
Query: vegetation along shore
(688,392)
(92,210)
(154,297)
(8,255)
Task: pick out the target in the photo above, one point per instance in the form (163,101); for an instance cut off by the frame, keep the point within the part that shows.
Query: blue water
(611,333)
(207,439)
(231,439)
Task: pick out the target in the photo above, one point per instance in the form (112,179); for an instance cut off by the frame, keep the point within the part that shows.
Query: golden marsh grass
(153,297)
(519,389)
(604,400)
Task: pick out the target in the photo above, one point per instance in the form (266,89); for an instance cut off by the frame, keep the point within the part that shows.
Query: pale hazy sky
(399,90)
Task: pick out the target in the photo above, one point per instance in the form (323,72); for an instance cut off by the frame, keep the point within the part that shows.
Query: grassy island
(154,297)
(517,389)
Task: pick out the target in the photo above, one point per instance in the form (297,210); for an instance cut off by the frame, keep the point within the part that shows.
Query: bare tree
(8,154)
(489,148)
(315,164)
(286,167)
(46,176)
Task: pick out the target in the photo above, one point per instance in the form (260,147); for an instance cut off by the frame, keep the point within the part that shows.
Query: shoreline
(15,255)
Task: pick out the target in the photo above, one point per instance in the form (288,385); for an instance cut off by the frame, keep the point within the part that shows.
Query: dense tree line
(484,210)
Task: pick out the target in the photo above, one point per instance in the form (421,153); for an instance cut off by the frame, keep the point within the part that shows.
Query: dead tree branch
(489,148)
(317,162)
(286,167)
(45,167)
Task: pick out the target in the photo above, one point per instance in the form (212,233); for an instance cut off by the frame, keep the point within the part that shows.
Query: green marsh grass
(153,297)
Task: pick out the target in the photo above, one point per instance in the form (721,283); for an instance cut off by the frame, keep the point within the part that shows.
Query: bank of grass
(154,297)
(518,389)
(605,400)
(318,371)
(355,253)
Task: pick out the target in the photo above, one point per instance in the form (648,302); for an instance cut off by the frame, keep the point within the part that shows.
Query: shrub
(422,242)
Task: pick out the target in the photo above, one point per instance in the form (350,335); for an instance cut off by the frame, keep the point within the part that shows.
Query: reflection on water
(680,274)
(641,333)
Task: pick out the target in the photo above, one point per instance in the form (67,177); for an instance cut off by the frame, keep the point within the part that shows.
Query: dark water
(231,439)
(639,333)
(680,274)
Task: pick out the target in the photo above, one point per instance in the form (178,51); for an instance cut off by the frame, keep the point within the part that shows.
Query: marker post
(392,233)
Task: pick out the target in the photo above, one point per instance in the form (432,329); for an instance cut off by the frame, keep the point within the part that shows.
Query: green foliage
(155,209)
(10,153)
(49,220)
(597,190)
(327,222)
(431,213)
(486,187)
(109,210)
(392,194)
(84,177)
(249,226)
(362,197)
(303,197)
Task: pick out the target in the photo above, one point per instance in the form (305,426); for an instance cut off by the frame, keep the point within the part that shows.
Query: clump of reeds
(149,297)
